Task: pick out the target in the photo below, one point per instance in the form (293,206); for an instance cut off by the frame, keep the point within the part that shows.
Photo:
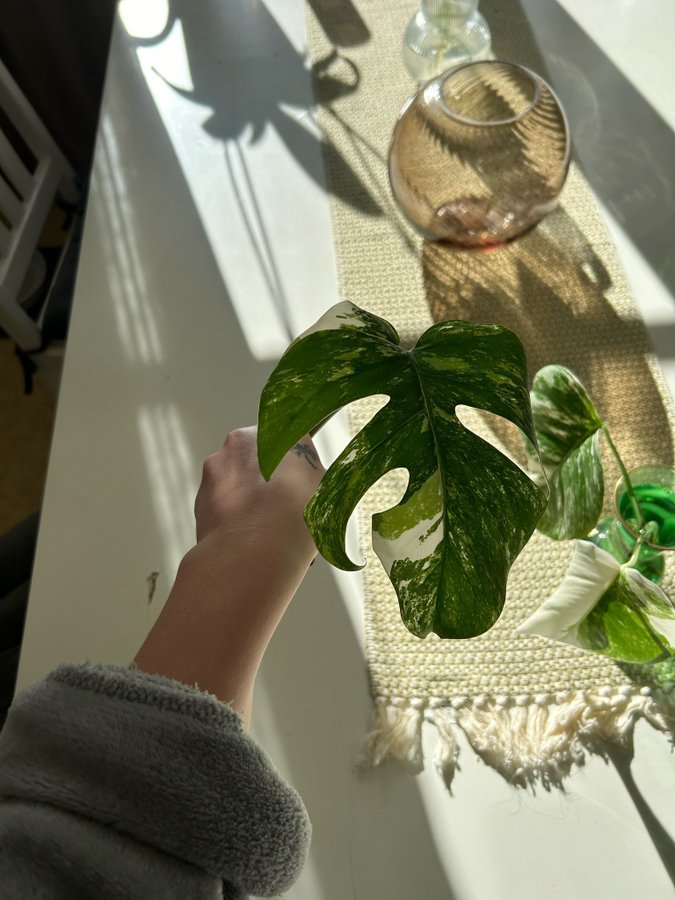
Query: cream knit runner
(530,707)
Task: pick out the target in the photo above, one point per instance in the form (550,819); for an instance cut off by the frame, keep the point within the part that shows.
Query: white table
(204,251)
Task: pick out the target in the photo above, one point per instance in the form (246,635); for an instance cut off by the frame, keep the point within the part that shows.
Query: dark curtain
(56,51)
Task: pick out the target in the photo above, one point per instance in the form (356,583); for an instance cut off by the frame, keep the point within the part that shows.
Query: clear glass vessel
(479,154)
(443,34)
(641,538)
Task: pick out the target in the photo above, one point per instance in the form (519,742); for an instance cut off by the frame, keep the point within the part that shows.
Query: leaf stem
(629,486)
(635,555)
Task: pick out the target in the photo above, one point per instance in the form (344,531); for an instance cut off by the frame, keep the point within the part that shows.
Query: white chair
(32,172)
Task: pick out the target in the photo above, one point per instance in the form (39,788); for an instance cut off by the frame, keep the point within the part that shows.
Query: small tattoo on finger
(308,453)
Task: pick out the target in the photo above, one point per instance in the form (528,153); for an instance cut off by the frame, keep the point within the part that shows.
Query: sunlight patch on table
(134,315)
(143,18)
(266,731)
(263,213)
(172,474)
(220,175)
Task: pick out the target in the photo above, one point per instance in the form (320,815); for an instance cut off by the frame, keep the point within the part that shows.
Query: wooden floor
(26,420)
(38,40)
(25,433)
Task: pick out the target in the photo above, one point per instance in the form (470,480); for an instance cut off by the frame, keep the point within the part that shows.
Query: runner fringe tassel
(526,739)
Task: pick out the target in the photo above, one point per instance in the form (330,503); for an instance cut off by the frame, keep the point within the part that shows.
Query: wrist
(220,616)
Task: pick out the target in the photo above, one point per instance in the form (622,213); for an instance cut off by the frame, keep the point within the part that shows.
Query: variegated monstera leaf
(467,511)
(607,608)
(568,426)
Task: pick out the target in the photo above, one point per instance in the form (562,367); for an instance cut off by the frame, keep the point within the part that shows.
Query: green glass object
(657,503)
(610,535)
(653,529)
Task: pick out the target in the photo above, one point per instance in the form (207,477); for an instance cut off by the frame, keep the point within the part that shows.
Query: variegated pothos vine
(568,428)
(602,605)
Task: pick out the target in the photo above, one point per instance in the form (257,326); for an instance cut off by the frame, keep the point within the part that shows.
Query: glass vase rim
(473,4)
(492,123)
(635,534)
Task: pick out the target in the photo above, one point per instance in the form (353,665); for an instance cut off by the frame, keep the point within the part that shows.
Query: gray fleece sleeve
(115,783)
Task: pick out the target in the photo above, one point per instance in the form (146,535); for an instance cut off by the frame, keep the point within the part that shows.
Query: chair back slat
(13,169)
(11,208)
(25,122)
(32,171)
(5,239)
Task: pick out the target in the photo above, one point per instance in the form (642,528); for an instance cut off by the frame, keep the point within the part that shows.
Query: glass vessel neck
(443,9)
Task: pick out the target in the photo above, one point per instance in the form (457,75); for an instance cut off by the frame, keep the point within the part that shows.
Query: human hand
(253,550)
(235,505)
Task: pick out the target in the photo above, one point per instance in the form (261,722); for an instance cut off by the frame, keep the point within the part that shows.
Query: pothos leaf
(567,427)
(607,608)
(467,511)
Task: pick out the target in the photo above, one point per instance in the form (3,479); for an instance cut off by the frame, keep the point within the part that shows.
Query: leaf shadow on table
(621,758)
(341,22)
(550,288)
(273,81)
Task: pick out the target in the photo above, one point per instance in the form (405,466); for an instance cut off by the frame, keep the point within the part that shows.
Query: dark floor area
(56,52)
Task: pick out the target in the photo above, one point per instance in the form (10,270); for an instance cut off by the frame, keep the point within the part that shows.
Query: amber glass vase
(479,154)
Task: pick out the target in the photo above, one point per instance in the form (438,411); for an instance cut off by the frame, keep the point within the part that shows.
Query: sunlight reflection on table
(237,164)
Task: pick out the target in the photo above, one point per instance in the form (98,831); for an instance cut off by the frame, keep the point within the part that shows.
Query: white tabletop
(207,246)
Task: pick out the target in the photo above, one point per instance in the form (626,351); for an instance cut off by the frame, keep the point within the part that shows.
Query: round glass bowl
(480,154)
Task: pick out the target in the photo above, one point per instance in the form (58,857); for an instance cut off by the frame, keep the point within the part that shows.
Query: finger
(238,457)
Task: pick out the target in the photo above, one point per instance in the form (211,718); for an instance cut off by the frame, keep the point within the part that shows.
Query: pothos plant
(468,510)
(603,604)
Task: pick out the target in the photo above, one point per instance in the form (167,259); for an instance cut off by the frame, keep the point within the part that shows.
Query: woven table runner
(530,707)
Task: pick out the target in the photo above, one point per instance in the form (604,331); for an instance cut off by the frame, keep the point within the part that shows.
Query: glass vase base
(612,537)
(430,47)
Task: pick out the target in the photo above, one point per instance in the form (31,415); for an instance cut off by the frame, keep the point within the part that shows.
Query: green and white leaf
(467,511)
(567,425)
(607,608)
